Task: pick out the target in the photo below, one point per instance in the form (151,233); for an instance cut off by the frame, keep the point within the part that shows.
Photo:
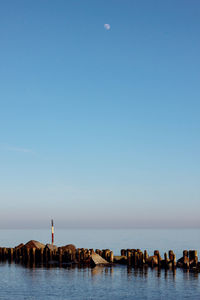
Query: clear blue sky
(100,128)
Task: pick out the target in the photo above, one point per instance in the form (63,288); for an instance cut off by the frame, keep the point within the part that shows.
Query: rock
(96,259)
(18,247)
(122,259)
(34,244)
(68,247)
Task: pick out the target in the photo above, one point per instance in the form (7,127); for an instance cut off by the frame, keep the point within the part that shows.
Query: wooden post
(69,255)
(78,251)
(193,258)
(123,252)
(18,254)
(166,260)
(27,259)
(33,254)
(157,253)
(111,256)
(107,251)
(171,255)
(10,254)
(50,254)
(141,258)
(4,253)
(174,262)
(192,254)
(60,255)
(186,262)
(145,256)
(128,257)
(135,258)
(41,255)
(46,255)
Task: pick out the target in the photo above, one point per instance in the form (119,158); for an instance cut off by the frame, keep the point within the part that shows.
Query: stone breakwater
(36,253)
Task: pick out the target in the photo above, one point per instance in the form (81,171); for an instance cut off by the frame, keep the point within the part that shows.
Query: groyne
(36,253)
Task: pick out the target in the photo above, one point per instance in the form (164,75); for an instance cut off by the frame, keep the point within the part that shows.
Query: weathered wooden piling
(105,254)
(186,262)
(4,253)
(60,255)
(31,258)
(78,252)
(145,256)
(10,253)
(135,259)
(82,256)
(41,255)
(128,256)
(174,262)
(123,252)
(34,253)
(111,256)
(141,258)
(46,255)
(193,258)
(171,255)
(26,255)
(157,254)
(50,255)
(166,260)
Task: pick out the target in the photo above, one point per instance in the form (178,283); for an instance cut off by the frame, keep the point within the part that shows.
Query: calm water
(120,282)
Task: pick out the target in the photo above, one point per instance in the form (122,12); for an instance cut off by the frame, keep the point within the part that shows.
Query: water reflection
(126,271)
(100,270)
(107,270)
(82,282)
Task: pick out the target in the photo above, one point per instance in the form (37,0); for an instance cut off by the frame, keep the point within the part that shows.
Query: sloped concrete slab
(96,259)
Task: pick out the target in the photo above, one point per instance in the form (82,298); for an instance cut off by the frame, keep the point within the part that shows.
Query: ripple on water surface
(120,282)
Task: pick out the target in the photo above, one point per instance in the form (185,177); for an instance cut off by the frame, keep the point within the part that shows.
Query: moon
(107,26)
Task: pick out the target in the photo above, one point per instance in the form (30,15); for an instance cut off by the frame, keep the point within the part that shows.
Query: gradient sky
(99,128)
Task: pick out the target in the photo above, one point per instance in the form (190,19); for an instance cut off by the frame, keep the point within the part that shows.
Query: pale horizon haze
(100,114)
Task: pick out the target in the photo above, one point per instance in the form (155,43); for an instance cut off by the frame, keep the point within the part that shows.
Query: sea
(117,282)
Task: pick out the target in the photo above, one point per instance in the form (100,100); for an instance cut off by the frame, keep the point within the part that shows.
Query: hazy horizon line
(101,228)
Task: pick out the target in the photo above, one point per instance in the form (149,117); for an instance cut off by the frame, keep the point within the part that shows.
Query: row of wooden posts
(45,255)
(132,257)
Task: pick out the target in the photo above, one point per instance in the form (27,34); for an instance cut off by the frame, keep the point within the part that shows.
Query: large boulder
(18,247)
(34,244)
